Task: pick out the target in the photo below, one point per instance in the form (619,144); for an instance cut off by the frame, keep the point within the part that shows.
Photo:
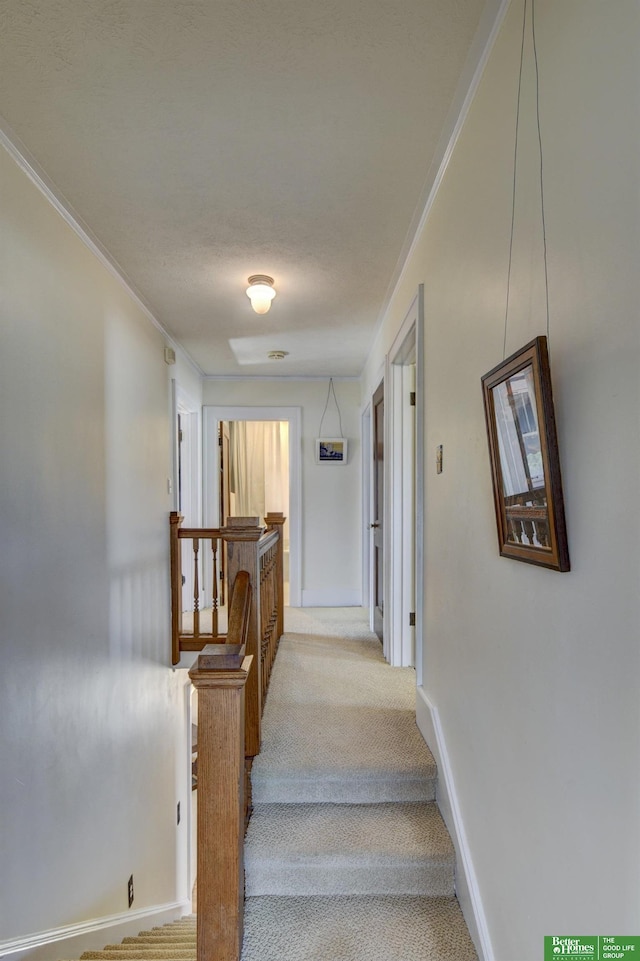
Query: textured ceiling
(202,142)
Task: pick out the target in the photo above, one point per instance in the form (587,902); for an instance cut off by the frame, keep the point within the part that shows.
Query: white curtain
(259,469)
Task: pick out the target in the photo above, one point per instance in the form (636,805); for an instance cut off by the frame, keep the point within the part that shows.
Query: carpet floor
(346,856)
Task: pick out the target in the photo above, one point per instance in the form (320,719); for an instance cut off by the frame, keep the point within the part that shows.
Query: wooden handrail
(258,552)
(239,609)
(231,679)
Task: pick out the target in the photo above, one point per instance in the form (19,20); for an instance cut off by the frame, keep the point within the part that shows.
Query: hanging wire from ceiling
(544,225)
(515,169)
(331,390)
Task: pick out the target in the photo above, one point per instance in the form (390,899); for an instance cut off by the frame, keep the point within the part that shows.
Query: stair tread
(414,831)
(355,929)
(322,687)
(331,849)
(141,954)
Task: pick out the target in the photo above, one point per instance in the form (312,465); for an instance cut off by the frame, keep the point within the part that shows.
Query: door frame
(379,515)
(190,409)
(212,415)
(189,412)
(367,472)
(403,521)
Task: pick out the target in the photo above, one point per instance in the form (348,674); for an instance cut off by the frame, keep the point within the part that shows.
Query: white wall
(534,675)
(330,495)
(93,722)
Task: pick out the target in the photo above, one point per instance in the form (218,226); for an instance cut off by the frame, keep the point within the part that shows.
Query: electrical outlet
(130,890)
(178,818)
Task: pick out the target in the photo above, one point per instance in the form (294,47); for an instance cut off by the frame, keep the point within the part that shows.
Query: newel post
(241,536)
(175,521)
(273,520)
(220,679)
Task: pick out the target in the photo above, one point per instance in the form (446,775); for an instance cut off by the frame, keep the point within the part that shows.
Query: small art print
(525,467)
(331,450)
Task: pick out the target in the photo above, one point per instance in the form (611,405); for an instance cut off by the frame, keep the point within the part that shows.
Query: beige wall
(535,674)
(93,746)
(331,515)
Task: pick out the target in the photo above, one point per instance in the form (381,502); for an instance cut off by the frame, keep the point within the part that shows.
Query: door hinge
(180,436)
(219,440)
(412,399)
(412,619)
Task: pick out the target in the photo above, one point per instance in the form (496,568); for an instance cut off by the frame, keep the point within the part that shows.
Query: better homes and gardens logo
(591,949)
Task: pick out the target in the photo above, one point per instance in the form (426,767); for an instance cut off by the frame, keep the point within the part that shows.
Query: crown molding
(283,377)
(31,168)
(479,53)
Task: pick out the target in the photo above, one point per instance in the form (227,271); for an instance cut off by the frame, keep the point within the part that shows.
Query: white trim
(30,167)
(192,459)
(410,597)
(288,377)
(366,509)
(393,527)
(467,887)
(174,442)
(187,816)
(212,415)
(404,496)
(380,378)
(83,928)
(421,480)
(479,52)
(332,598)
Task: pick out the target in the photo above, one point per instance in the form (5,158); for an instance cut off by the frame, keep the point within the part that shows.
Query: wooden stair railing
(220,678)
(202,540)
(257,551)
(231,679)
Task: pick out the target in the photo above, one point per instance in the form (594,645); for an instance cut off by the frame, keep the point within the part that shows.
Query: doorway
(254,474)
(405,496)
(213,476)
(377,522)
(187,472)
(393,428)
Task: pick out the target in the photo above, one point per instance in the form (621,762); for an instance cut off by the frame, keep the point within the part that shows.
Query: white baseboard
(467,889)
(73,939)
(332,598)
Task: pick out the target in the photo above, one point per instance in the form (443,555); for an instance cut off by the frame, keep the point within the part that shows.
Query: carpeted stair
(171,942)
(346,856)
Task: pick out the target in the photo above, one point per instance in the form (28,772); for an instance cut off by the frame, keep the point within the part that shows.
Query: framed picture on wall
(331,450)
(525,466)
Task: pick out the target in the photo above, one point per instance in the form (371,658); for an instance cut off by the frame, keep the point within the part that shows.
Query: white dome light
(260,292)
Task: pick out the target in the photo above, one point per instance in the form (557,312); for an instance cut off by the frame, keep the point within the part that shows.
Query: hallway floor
(347,857)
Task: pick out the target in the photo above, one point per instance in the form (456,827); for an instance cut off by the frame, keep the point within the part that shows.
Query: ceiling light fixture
(260,292)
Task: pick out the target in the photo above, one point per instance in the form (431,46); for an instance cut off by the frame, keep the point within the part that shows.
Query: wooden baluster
(264,640)
(542,530)
(214,588)
(196,590)
(175,520)
(514,530)
(277,520)
(270,605)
